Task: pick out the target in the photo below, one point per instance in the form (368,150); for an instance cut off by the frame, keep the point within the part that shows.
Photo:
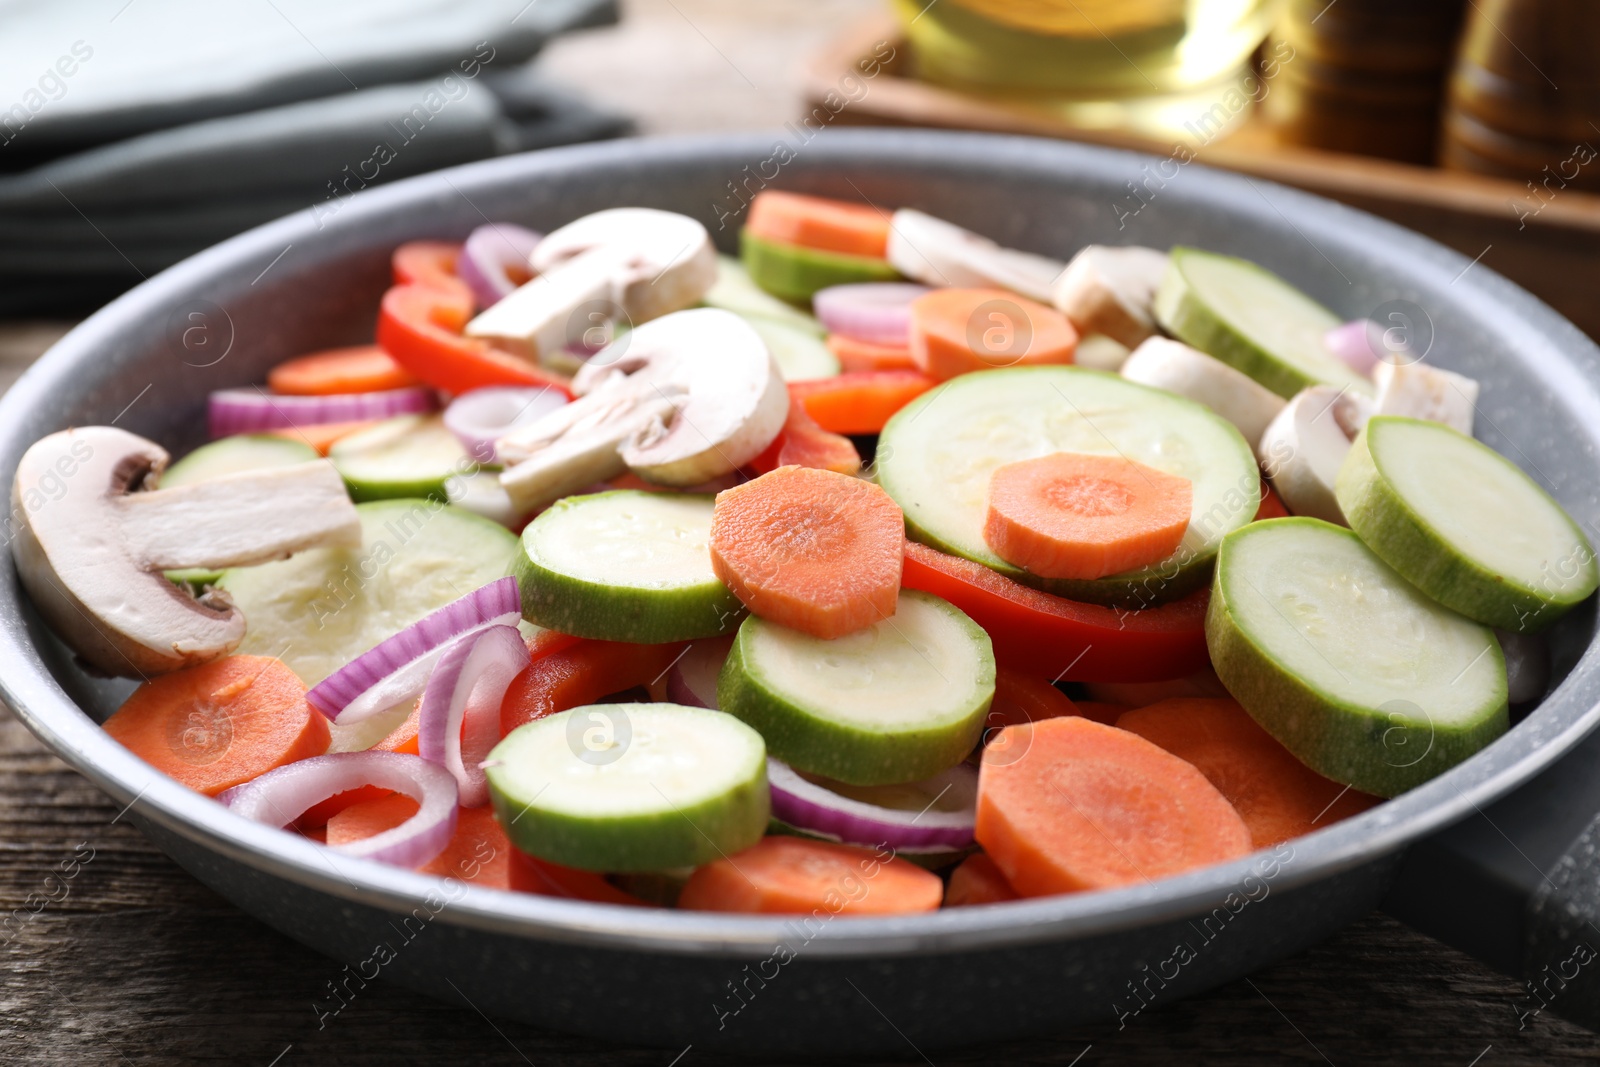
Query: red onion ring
(480,416)
(692,681)
(281,796)
(488,253)
(877,312)
(1352,343)
(251,410)
(397,668)
(459,720)
(917,828)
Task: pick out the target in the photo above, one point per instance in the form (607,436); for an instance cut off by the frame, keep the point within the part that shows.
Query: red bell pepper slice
(420,326)
(430,263)
(581,674)
(1272,506)
(1056,638)
(803,443)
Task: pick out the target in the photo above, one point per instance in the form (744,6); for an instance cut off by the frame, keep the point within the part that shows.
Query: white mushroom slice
(941,253)
(1099,352)
(681,400)
(1423,392)
(1190,373)
(1112,291)
(736,398)
(633,262)
(92,542)
(578,445)
(1302,448)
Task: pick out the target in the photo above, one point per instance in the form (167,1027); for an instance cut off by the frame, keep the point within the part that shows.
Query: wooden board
(1549,245)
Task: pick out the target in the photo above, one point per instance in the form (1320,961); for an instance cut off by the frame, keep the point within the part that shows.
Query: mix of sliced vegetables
(611,572)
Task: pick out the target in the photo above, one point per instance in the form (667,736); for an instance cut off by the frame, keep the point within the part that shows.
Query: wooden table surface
(131,961)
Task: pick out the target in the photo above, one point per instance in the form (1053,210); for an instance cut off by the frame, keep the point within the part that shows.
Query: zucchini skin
(796,273)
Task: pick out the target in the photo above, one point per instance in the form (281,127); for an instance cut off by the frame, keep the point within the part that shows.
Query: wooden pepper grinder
(1524,99)
(1367,76)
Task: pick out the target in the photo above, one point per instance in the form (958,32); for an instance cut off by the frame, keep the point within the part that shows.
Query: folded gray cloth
(80,227)
(85,72)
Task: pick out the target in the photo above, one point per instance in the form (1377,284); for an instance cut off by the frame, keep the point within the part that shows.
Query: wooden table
(131,961)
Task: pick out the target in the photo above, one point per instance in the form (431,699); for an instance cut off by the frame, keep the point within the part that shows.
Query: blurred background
(135,132)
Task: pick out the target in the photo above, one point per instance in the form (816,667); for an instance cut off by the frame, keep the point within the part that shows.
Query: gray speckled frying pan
(859,985)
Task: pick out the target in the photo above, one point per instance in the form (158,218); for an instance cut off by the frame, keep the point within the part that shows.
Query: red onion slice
(1353,344)
(934,815)
(459,721)
(693,678)
(281,796)
(480,416)
(251,410)
(488,256)
(397,668)
(878,312)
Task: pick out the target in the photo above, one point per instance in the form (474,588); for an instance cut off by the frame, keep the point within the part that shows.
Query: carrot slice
(581,674)
(1071,515)
(1068,804)
(1062,638)
(321,436)
(1277,796)
(478,852)
(860,402)
(222,723)
(802,443)
(1020,697)
(357,369)
(1272,505)
(818,222)
(530,875)
(857,355)
(430,263)
(809,549)
(781,875)
(976,880)
(956,331)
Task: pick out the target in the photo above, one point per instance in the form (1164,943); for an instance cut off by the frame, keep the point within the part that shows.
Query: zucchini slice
(1464,524)
(1355,671)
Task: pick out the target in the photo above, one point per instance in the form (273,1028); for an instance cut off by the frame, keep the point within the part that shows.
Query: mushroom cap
(119,617)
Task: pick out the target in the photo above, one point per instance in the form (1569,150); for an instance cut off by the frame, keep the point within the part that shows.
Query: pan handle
(1517,884)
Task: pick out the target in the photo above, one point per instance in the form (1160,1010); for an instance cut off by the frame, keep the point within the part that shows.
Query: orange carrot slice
(581,674)
(430,263)
(358,369)
(862,401)
(478,852)
(809,549)
(818,222)
(1068,804)
(1070,515)
(220,724)
(976,880)
(795,876)
(1277,796)
(321,436)
(530,875)
(857,355)
(1020,697)
(956,331)
(802,443)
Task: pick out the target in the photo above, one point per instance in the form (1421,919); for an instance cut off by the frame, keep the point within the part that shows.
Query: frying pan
(815,986)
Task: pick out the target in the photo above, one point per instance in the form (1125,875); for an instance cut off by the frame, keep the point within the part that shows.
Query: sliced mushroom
(941,253)
(681,400)
(1423,392)
(1112,291)
(1190,373)
(1302,448)
(92,539)
(632,262)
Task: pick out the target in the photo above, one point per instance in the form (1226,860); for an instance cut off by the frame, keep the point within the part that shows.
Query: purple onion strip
(808,806)
(459,720)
